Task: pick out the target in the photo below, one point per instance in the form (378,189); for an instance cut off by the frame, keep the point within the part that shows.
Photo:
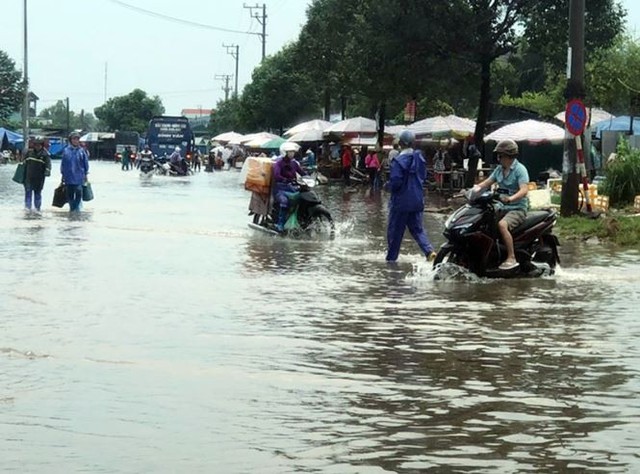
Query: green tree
(226,118)
(57,116)
(611,77)
(321,48)
(546,27)
(11,87)
(130,112)
(279,93)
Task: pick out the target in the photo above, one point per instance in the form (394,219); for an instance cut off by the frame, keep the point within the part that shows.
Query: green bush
(622,176)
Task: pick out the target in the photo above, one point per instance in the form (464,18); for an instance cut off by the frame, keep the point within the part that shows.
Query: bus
(167,132)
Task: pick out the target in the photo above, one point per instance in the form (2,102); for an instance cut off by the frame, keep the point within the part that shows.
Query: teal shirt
(518,175)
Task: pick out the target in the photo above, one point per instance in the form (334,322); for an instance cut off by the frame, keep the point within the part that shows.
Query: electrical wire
(179,20)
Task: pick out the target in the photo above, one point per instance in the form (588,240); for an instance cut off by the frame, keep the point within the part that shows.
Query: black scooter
(307,217)
(474,243)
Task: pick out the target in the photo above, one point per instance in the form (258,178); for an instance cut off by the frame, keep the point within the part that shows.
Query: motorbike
(165,168)
(307,217)
(147,165)
(474,243)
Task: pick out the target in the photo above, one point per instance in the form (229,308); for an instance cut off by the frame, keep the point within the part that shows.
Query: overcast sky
(70,41)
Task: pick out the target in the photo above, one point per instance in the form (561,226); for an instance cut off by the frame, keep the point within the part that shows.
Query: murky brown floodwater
(158,333)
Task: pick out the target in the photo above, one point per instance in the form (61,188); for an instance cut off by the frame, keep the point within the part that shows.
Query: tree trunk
(343,107)
(382,109)
(327,103)
(481,122)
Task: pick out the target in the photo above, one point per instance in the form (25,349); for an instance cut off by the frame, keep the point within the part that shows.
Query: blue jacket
(407,174)
(74,166)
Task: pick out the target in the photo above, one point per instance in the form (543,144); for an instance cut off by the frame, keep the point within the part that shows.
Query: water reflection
(188,340)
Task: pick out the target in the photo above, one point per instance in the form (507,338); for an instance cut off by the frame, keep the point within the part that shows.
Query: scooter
(147,165)
(307,217)
(474,243)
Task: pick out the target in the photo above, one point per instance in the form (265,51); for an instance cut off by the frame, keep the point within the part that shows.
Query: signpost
(575,119)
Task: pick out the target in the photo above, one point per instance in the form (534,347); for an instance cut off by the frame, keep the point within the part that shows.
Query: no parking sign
(575,117)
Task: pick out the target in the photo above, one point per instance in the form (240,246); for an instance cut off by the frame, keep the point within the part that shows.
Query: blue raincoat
(407,175)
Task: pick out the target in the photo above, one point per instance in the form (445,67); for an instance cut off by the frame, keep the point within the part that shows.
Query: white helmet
(289,146)
(177,148)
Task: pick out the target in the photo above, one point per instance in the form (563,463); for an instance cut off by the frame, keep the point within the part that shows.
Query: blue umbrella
(618,124)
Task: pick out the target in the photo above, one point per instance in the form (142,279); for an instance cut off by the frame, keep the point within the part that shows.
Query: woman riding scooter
(284,175)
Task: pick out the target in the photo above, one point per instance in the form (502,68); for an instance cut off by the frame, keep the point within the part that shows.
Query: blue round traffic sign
(575,117)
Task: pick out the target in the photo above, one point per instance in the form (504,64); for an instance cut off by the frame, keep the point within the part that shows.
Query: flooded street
(156,332)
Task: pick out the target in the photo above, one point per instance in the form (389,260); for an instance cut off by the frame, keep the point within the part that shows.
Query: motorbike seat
(533,218)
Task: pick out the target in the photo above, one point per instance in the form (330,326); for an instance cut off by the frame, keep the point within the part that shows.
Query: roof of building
(196,112)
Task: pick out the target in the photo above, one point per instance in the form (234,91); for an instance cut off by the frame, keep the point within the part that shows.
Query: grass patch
(623,231)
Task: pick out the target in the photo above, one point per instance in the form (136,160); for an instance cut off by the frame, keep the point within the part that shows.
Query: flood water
(156,332)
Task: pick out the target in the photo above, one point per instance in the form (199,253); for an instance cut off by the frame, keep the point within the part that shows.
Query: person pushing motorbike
(284,175)
(513,179)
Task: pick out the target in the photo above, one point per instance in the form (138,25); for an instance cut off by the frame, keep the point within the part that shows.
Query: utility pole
(68,118)
(575,90)
(235,55)
(226,88)
(25,102)
(262,19)
(106,66)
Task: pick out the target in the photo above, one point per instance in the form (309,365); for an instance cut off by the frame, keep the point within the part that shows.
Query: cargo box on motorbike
(258,178)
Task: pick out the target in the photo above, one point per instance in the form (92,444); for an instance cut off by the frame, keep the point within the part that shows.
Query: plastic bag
(87,191)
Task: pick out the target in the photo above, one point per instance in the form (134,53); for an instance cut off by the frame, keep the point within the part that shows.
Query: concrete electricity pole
(235,55)
(262,19)
(225,88)
(575,90)
(25,101)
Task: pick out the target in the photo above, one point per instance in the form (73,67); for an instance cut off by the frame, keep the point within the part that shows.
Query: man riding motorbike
(513,179)
(284,174)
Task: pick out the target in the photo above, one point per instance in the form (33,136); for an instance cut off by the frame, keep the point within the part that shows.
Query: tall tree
(57,115)
(546,27)
(226,117)
(321,47)
(611,78)
(279,93)
(130,112)
(11,87)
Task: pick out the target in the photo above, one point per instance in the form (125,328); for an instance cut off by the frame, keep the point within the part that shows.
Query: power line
(180,20)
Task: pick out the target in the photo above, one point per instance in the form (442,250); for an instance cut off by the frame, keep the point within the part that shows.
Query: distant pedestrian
(347,160)
(372,164)
(406,205)
(197,161)
(126,158)
(37,164)
(74,168)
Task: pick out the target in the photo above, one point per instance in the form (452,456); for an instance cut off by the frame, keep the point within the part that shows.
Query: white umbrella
(352,125)
(227,137)
(310,135)
(532,131)
(597,115)
(395,129)
(306,126)
(256,140)
(439,125)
